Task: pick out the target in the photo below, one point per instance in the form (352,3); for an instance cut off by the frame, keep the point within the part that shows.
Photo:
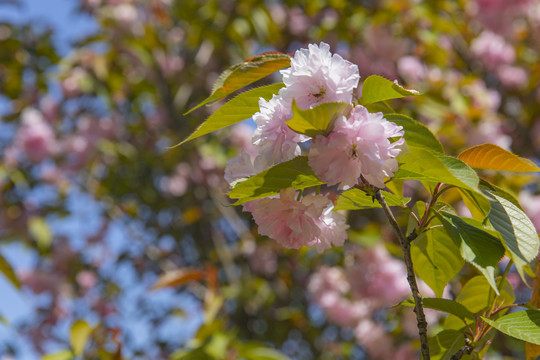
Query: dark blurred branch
(405,243)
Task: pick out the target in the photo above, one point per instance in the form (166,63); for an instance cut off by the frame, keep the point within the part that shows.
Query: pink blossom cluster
(361,147)
(498,55)
(350,296)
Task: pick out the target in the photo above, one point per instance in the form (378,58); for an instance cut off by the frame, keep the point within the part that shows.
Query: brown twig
(405,243)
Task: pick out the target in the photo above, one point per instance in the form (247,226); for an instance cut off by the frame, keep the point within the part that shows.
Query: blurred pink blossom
(378,276)
(87,279)
(531,205)
(125,14)
(72,84)
(357,146)
(177,183)
(374,339)
(492,49)
(316,76)
(298,21)
(263,260)
(35,136)
(512,76)
(411,69)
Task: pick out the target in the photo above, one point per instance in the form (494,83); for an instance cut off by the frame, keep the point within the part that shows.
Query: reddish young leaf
(178,277)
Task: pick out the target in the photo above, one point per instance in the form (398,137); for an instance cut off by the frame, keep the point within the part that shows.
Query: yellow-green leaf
(493,157)
(239,108)
(38,228)
(376,88)
(245,73)
(318,120)
(7,270)
(295,173)
(523,325)
(79,335)
(61,355)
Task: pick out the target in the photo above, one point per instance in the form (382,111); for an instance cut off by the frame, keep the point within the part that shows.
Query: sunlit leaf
(245,73)
(237,109)
(523,325)
(436,259)
(61,355)
(446,343)
(40,231)
(416,133)
(79,335)
(356,199)
(254,350)
(8,272)
(477,247)
(295,173)
(217,346)
(423,165)
(490,156)
(376,88)
(318,120)
(445,305)
(178,277)
(516,229)
(476,295)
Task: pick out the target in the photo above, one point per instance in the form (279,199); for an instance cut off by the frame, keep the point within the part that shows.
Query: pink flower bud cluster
(360,147)
(350,297)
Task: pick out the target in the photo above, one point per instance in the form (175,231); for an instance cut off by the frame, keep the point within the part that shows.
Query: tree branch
(405,243)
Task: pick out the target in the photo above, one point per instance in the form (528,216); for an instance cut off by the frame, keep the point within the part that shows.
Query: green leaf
(477,203)
(476,295)
(425,165)
(8,272)
(61,355)
(376,88)
(217,346)
(318,120)
(356,199)
(295,173)
(523,325)
(254,350)
(516,229)
(477,247)
(444,305)
(239,108)
(446,343)
(493,157)
(436,259)
(416,133)
(38,228)
(79,335)
(245,73)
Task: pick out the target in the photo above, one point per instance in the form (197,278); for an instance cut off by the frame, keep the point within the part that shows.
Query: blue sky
(58,14)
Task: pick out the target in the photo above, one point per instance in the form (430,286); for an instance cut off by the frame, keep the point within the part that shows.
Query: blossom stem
(405,243)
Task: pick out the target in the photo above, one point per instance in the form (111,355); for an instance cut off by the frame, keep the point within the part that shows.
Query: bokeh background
(95,207)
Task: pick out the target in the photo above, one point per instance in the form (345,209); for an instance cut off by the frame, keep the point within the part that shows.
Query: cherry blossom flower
(316,76)
(239,167)
(295,223)
(357,146)
(276,141)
